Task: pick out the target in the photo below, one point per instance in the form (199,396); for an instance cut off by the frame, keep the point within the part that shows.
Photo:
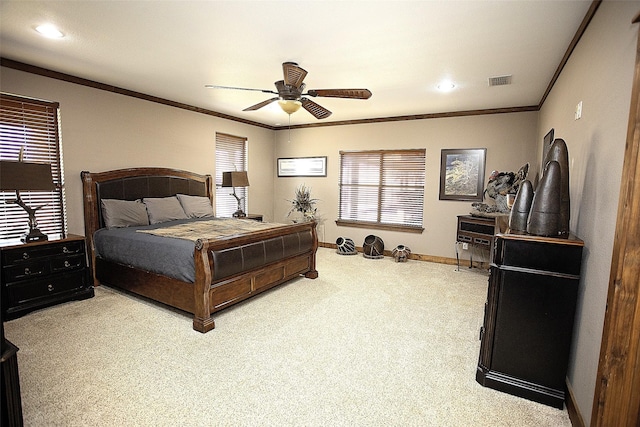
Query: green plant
(303,202)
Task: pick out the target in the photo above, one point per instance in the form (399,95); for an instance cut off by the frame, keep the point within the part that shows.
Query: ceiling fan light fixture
(289,106)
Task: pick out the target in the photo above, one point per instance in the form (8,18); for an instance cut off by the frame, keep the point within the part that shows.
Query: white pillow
(123,213)
(163,209)
(195,206)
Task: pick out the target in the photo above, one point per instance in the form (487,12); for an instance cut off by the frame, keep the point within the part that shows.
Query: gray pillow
(123,213)
(195,206)
(163,209)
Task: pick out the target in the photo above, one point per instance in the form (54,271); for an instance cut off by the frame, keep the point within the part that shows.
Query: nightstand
(255,217)
(41,274)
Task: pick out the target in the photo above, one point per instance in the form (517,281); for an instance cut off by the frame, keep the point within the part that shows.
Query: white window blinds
(231,155)
(382,188)
(32,125)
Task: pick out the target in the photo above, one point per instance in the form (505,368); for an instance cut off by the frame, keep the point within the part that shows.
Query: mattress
(152,247)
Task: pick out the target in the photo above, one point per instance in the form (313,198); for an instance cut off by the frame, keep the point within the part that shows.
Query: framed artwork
(302,166)
(462,174)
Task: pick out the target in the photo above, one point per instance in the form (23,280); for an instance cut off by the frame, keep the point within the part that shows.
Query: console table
(478,232)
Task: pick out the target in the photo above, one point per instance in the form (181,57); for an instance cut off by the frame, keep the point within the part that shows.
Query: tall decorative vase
(521,207)
(558,152)
(545,207)
(373,247)
(345,246)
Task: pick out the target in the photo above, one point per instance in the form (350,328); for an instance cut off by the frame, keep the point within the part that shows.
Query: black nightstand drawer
(28,254)
(26,271)
(68,263)
(28,291)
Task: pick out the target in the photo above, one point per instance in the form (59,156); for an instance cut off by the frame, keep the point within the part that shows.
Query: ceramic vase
(345,246)
(373,247)
(521,207)
(401,253)
(545,207)
(558,152)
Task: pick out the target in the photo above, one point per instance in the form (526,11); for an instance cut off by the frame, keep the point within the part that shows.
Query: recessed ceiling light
(446,86)
(50,31)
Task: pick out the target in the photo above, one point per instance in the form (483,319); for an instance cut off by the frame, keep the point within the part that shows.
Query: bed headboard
(132,184)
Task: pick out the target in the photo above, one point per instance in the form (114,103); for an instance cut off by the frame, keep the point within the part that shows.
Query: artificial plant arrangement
(303,203)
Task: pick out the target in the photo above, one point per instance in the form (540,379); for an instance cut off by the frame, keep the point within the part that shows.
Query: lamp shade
(235,179)
(15,175)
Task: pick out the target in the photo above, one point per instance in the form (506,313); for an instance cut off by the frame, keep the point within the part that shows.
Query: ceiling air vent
(500,80)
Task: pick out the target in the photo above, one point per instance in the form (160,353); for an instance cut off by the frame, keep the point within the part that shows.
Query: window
(231,155)
(382,189)
(32,125)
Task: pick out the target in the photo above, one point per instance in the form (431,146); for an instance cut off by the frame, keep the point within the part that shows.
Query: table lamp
(25,176)
(236,179)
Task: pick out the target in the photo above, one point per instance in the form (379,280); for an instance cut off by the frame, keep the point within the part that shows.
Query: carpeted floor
(368,343)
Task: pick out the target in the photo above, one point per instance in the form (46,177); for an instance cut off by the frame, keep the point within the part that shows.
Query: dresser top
(568,240)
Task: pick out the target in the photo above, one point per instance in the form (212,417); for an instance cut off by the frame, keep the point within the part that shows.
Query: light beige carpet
(368,343)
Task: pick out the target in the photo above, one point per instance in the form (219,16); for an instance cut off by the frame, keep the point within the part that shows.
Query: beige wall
(599,73)
(103,131)
(510,140)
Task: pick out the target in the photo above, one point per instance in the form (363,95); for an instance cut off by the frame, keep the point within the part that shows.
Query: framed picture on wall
(462,174)
(302,166)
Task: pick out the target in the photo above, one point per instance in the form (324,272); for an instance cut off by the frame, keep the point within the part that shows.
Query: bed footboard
(231,270)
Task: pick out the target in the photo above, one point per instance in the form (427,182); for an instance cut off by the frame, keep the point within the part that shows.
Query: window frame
(34,125)
(234,158)
(383,189)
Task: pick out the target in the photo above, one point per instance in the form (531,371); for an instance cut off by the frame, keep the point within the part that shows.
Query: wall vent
(500,80)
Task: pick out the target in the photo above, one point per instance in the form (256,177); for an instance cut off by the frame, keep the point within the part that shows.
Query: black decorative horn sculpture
(544,217)
(521,207)
(558,152)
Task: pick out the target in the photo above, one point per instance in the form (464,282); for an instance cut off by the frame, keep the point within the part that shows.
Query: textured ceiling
(400,50)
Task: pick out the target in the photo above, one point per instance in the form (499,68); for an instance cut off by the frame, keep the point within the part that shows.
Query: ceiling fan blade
(261,104)
(318,111)
(293,74)
(239,88)
(341,93)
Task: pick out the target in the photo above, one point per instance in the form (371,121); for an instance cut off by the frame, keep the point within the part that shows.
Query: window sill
(378,226)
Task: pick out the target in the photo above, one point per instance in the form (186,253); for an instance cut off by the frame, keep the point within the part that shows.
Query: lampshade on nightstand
(25,176)
(236,179)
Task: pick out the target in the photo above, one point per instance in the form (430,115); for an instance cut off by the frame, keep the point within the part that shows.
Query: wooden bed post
(313,273)
(90,221)
(202,320)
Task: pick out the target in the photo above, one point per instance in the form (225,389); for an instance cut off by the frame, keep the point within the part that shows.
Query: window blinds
(384,187)
(231,155)
(33,125)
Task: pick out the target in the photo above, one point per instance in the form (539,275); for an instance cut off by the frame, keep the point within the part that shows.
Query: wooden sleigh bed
(228,269)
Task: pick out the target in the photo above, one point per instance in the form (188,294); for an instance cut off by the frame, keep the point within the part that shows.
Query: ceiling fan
(291,95)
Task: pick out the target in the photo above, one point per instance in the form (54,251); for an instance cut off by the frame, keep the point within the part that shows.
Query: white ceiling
(400,50)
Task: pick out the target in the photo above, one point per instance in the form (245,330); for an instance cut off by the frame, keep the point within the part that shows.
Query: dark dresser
(529,313)
(40,274)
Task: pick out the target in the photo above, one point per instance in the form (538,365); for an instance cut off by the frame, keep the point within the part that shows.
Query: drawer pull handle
(67,264)
(28,272)
(25,255)
(50,288)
